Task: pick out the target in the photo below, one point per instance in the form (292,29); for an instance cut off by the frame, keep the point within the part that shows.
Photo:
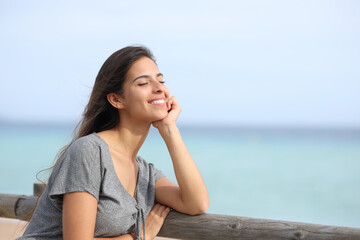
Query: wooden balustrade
(206,226)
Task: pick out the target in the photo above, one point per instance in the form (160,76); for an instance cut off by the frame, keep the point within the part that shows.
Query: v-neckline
(114,171)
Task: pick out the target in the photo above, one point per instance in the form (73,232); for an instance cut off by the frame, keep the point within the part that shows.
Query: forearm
(122,237)
(194,195)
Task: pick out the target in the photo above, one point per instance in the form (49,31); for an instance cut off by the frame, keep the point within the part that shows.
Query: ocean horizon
(291,173)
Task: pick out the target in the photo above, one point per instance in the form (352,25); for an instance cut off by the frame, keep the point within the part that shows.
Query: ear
(115,100)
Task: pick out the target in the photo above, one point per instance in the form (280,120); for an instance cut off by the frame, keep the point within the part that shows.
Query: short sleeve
(78,171)
(158,173)
(155,174)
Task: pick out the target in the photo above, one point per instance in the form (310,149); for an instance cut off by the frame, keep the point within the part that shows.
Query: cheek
(134,102)
(167,92)
(137,95)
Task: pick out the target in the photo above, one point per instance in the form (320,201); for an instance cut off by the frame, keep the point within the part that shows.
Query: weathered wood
(214,226)
(39,188)
(16,206)
(209,226)
(20,206)
(25,206)
(8,205)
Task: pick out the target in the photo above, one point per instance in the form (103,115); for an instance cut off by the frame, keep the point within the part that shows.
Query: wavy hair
(99,115)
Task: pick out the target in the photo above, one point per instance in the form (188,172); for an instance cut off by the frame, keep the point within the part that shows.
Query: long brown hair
(99,114)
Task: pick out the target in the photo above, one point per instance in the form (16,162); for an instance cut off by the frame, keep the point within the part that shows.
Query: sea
(307,175)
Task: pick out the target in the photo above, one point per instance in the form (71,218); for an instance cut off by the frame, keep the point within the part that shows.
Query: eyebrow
(147,76)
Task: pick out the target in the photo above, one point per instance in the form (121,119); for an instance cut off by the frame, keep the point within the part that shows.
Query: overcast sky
(283,63)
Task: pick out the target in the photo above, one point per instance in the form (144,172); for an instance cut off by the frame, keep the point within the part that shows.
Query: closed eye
(142,84)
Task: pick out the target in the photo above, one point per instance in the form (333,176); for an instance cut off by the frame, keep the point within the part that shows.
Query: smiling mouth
(157,102)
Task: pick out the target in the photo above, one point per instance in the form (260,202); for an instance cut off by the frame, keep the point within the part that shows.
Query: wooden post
(8,205)
(39,188)
(16,206)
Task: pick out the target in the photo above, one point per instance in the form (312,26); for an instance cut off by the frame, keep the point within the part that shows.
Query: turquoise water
(287,174)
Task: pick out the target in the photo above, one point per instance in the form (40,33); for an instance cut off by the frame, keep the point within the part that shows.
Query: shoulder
(146,168)
(88,144)
(84,151)
(88,141)
(143,163)
(149,169)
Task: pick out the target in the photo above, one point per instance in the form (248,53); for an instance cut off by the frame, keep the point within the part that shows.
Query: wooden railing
(206,226)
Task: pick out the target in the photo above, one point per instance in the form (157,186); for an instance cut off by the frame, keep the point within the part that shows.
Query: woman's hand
(155,220)
(173,113)
(190,195)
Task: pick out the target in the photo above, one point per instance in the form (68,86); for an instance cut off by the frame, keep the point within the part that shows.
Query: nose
(159,87)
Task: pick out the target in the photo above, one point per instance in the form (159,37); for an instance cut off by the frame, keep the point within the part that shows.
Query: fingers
(155,220)
(160,210)
(170,119)
(172,104)
(168,104)
(165,212)
(171,101)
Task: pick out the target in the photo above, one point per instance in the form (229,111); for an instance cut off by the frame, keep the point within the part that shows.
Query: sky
(259,63)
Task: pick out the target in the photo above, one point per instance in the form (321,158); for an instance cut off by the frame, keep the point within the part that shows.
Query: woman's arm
(191,195)
(79,217)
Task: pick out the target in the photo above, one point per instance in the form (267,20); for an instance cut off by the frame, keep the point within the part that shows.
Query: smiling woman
(99,187)
(145,95)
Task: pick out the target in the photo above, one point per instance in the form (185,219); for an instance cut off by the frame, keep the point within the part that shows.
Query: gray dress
(87,166)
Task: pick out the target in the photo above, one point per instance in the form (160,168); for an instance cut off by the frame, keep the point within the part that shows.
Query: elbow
(204,207)
(200,208)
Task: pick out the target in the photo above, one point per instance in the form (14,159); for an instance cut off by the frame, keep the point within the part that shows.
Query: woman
(99,187)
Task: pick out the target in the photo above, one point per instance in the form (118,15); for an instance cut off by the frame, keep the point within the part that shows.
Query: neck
(127,137)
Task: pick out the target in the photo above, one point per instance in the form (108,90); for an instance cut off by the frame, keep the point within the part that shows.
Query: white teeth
(158,101)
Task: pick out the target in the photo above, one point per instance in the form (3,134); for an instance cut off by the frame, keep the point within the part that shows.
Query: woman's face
(145,95)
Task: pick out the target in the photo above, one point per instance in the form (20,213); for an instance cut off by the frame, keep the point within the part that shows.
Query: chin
(160,116)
